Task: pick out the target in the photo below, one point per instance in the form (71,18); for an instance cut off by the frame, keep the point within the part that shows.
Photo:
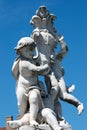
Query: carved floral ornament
(43,20)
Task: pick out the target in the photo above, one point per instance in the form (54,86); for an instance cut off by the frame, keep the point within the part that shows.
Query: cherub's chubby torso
(27,77)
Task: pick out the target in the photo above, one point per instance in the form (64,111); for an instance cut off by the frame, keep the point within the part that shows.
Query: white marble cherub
(46,44)
(46,40)
(25,72)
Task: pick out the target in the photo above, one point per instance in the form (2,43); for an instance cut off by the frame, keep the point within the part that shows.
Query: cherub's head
(25,47)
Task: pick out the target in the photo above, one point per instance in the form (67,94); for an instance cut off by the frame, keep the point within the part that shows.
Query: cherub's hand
(46,69)
(60,38)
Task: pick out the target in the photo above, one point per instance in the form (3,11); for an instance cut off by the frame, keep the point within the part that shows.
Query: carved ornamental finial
(43,20)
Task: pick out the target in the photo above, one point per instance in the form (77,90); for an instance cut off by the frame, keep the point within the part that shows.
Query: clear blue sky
(72,23)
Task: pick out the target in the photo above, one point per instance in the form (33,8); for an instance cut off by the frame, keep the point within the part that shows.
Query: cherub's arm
(64,48)
(43,69)
(15,68)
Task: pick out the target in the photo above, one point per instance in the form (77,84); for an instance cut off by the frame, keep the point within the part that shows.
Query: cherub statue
(47,62)
(46,40)
(26,73)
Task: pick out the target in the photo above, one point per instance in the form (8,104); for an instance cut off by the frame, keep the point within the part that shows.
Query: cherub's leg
(64,95)
(55,86)
(22,103)
(34,96)
(71,88)
(58,110)
(50,117)
(18,123)
(14,124)
(52,87)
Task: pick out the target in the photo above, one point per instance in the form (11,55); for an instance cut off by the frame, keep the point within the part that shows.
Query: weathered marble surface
(36,106)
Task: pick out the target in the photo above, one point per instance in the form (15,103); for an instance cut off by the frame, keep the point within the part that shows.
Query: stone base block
(41,127)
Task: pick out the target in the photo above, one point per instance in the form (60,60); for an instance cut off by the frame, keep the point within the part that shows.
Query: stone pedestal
(41,127)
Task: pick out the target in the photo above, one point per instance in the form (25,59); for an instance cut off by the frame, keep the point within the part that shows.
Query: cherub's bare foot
(14,124)
(71,88)
(80,108)
(63,123)
(34,123)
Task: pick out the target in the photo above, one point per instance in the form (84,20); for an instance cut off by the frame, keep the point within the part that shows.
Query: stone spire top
(43,20)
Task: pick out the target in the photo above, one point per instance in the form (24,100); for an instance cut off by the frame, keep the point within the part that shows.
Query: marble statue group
(38,101)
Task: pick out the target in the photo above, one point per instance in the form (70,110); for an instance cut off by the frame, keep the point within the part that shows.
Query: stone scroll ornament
(40,109)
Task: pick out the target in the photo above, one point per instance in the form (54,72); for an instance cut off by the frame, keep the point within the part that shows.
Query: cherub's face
(28,51)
